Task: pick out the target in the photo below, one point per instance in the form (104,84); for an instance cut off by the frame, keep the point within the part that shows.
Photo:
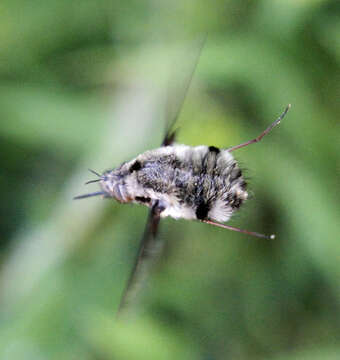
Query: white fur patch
(184,151)
(226,155)
(220,211)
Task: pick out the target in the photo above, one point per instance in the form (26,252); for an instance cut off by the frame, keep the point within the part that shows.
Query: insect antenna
(265,132)
(96,180)
(89,195)
(95,172)
(252,233)
(92,181)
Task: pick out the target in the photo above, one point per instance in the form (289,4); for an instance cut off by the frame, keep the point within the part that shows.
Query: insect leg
(252,233)
(257,139)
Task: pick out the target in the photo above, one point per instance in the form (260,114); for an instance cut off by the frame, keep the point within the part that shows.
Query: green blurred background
(84,84)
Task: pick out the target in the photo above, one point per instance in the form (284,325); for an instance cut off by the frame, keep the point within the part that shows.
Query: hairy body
(202,182)
(195,183)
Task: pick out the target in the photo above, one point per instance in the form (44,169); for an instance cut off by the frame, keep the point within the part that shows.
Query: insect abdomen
(209,181)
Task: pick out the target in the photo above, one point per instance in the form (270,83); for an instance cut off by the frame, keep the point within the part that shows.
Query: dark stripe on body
(202,210)
(142,199)
(135,166)
(214,149)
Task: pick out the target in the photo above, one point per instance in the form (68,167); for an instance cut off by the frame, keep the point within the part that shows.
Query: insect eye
(135,166)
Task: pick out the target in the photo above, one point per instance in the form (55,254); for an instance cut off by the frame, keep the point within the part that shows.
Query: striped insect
(201,183)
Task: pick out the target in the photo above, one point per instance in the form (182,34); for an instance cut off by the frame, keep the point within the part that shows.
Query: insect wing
(178,87)
(149,250)
(151,246)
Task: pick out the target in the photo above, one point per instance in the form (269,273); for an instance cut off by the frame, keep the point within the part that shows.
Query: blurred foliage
(83,84)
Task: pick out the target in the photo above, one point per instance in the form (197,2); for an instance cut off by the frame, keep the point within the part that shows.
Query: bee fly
(195,183)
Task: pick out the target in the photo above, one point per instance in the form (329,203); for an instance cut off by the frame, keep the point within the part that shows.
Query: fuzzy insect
(194,183)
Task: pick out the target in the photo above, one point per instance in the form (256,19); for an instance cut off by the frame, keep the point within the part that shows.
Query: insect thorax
(191,182)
